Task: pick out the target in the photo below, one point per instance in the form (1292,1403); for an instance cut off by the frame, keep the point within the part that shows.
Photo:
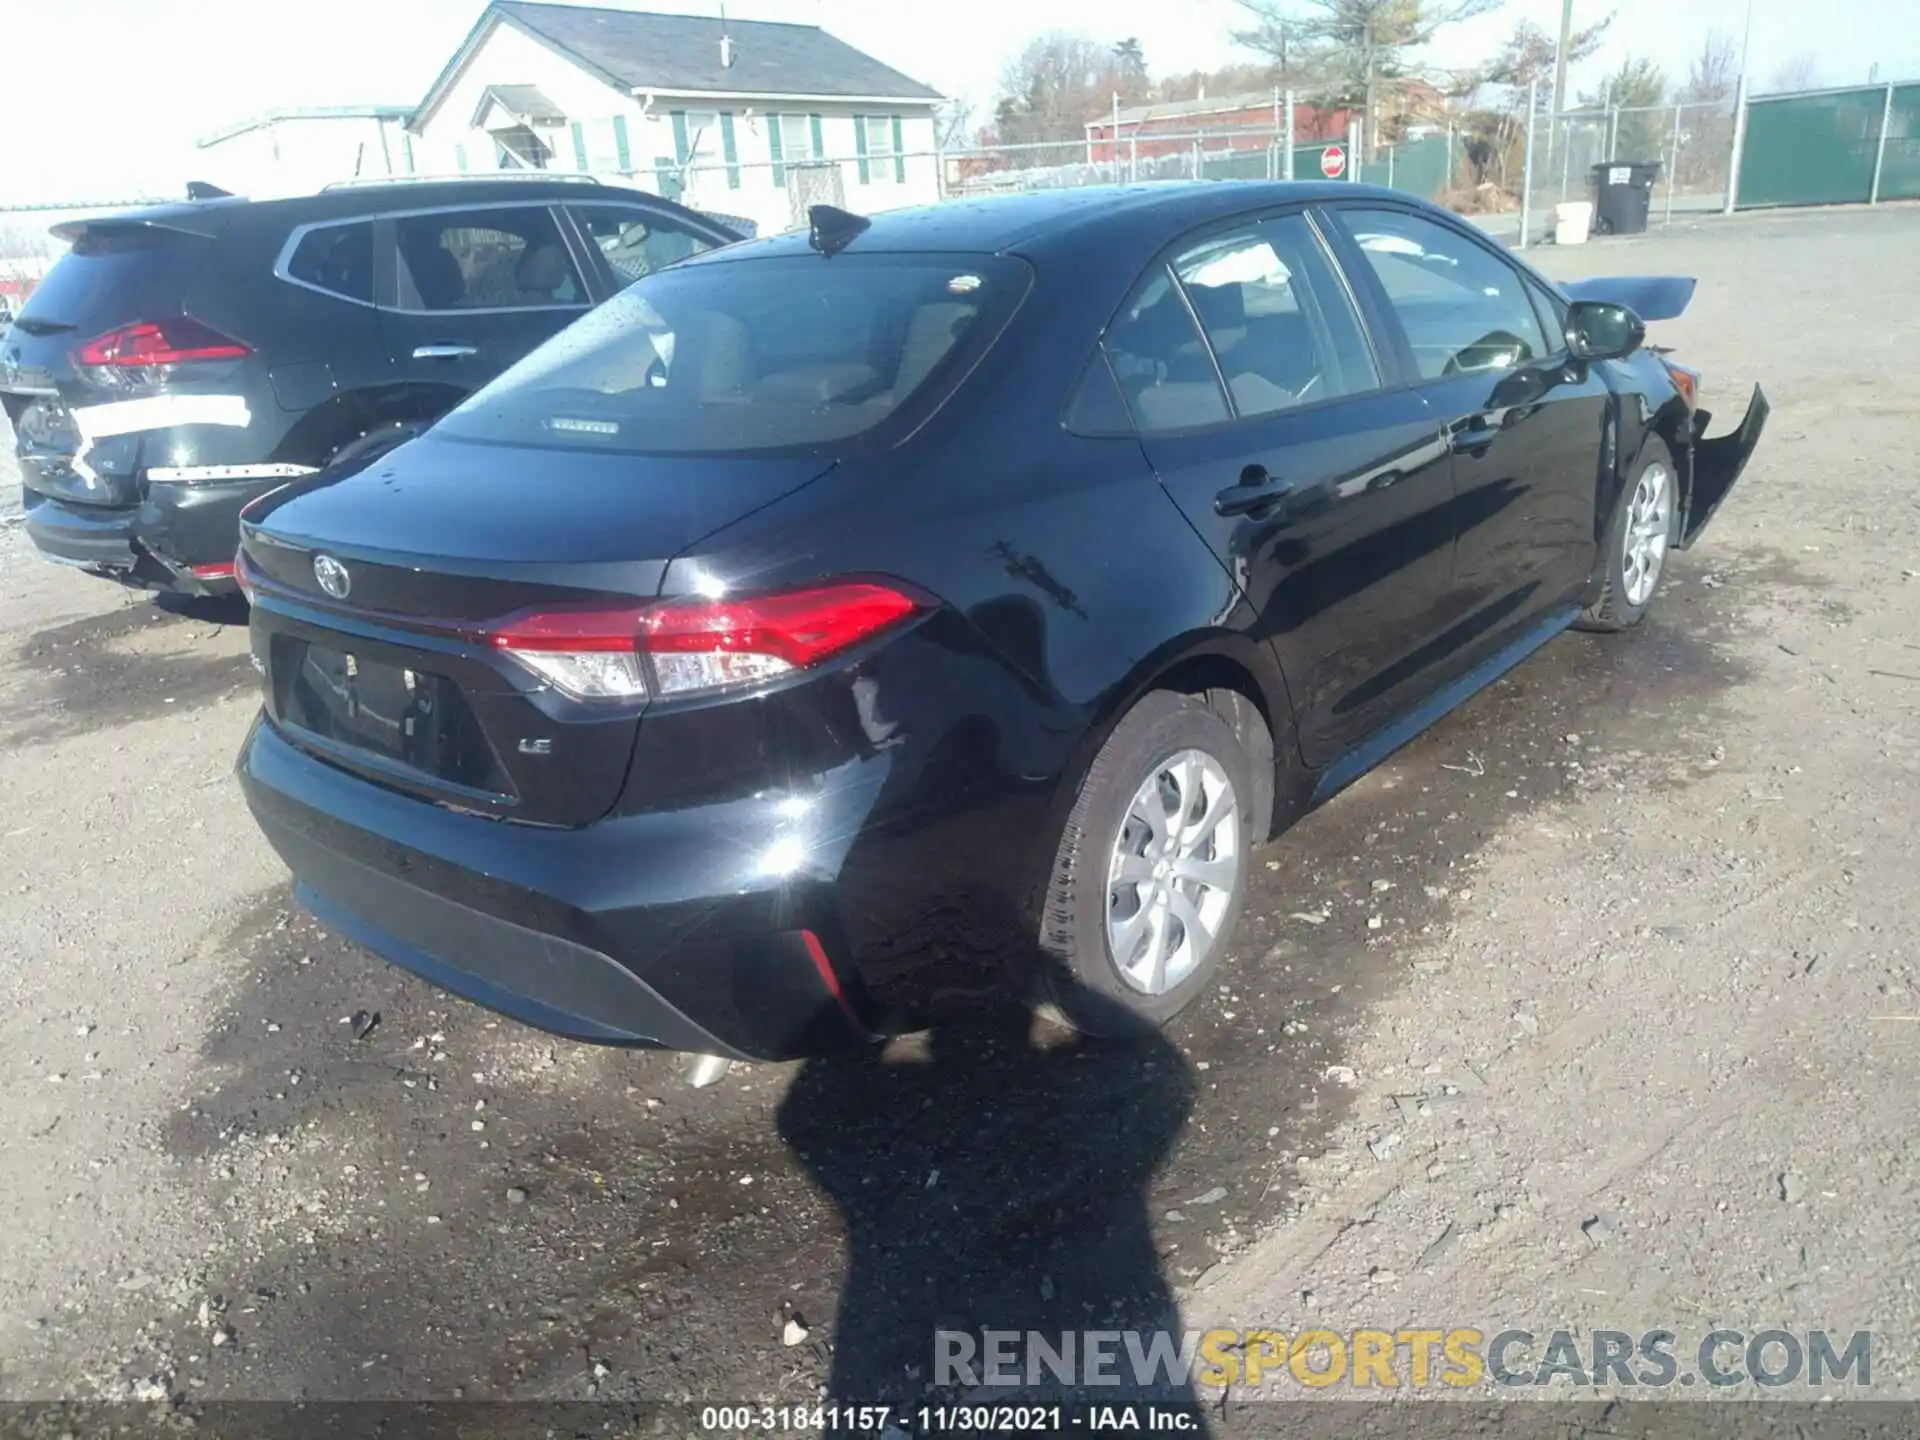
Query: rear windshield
(118,273)
(750,354)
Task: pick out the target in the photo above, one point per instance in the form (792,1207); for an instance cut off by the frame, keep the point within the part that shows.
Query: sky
(105,97)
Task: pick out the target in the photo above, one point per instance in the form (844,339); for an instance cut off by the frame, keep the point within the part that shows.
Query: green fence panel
(1900,171)
(1306,160)
(1811,149)
(1421,167)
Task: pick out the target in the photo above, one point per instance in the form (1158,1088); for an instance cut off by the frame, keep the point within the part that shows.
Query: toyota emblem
(332,576)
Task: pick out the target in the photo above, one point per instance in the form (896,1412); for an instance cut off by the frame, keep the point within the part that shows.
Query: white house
(737,117)
(740,117)
(295,152)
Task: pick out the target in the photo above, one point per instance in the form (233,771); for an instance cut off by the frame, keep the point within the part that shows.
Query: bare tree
(1797,72)
(1713,73)
(953,123)
(1054,85)
(1355,44)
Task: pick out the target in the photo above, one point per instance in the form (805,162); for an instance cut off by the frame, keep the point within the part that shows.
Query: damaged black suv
(180,360)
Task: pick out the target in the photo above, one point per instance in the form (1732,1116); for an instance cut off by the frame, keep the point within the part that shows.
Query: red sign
(1333,162)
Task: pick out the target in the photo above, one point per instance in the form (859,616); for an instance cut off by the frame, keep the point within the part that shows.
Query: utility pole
(1560,57)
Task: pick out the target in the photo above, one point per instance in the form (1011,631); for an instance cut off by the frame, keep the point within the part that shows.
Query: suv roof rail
(443,177)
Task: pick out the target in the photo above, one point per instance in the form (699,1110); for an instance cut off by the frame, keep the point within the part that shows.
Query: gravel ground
(1624,1049)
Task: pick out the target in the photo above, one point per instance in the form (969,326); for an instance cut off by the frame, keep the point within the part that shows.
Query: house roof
(526,102)
(634,50)
(307,112)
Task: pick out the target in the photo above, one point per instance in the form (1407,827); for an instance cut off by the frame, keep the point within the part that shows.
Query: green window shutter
(666,175)
(773,149)
(819,139)
(623,156)
(406,145)
(860,148)
(899,152)
(579,146)
(680,150)
(460,158)
(728,150)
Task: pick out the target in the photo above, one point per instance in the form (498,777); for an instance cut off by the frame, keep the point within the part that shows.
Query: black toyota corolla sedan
(839,627)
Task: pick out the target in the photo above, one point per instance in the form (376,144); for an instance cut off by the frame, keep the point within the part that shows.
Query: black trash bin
(1622,195)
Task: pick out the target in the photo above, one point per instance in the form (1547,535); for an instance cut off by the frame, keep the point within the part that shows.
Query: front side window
(1280,322)
(1463,308)
(503,259)
(337,259)
(750,355)
(638,242)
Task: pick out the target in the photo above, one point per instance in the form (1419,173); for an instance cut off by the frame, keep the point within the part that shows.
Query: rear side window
(1463,308)
(337,259)
(763,354)
(501,259)
(638,242)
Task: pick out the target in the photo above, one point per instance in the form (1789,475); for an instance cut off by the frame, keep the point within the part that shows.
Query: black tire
(1081,981)
(1613,611)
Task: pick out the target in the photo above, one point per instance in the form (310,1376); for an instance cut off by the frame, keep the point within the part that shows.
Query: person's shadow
(992,1175)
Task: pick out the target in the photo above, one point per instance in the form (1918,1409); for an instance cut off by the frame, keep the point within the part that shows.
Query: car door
(1525,421)
(467,291)
(631,241)
(1286,440)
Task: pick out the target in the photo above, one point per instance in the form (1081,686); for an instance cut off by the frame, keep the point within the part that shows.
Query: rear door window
(336,259)
(1281,325)
(636,242)
(1161,360)
(508,258)
(751,355)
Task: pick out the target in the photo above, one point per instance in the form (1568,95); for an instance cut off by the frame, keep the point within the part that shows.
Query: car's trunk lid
(377,594)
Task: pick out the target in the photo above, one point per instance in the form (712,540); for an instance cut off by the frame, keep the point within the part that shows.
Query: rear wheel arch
(334,427)
(1226,672)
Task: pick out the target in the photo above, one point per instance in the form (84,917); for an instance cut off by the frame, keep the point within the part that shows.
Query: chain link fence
(1691,144)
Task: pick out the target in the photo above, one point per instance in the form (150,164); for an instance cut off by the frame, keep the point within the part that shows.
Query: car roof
(1040,219)
(375,198)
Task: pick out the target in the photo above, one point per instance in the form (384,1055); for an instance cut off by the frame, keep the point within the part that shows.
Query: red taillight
(178,341)
(696,644)
(222,571)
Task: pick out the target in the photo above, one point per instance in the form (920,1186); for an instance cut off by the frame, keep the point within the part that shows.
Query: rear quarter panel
(1074,580)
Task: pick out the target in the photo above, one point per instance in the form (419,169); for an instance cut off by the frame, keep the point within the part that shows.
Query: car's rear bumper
(181,538)
(656,930)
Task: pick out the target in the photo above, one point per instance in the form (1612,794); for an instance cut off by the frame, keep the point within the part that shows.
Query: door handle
(1473,435)
(1257,490)
(444,352)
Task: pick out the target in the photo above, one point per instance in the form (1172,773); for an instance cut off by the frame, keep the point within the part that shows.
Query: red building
(1226,122)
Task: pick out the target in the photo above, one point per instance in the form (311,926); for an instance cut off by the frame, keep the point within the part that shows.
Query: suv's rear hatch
(400,673)
(121,271)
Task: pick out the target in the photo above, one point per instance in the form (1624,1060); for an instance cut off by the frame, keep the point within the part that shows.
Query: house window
(879,146)
(703,141)
(796,139)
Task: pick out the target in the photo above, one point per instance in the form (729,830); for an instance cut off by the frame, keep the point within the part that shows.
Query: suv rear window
(116,273)
(750,354)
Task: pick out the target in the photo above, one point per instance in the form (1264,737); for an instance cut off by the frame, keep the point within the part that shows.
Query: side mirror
(1598,330)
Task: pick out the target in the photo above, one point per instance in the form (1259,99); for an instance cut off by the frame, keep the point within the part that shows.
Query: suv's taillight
(693,645)
(149,353)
